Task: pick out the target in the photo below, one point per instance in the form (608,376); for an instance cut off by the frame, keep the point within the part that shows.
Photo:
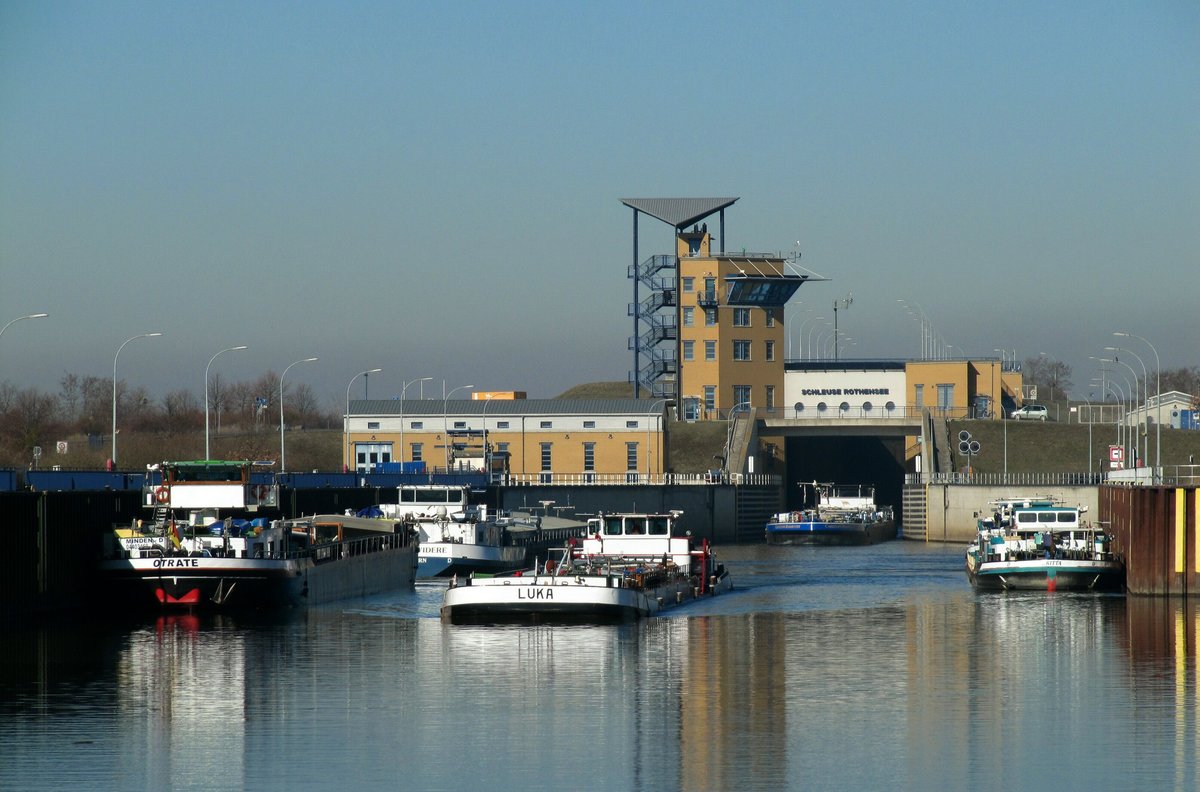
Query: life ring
(162,494)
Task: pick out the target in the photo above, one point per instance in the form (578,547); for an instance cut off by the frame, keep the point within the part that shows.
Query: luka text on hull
(189,556)
(1039,544)
(629,566)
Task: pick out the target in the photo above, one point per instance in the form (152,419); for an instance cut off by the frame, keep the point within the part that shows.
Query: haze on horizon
(434,190)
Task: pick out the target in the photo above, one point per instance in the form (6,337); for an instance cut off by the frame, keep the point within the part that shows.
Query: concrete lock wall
(950,509)
(709,512)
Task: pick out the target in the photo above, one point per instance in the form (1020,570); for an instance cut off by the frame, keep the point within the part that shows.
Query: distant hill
(599,390)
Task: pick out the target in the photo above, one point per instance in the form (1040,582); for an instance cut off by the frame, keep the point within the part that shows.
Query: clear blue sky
(433,188)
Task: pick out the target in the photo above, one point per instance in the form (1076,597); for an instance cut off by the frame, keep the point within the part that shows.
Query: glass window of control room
(945,396)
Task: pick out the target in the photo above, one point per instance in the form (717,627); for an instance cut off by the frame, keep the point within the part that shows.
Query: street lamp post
(1120,393)
(282,457)
(446,422)
(1157,399)
(822,338)
(349,453)
(803,354)
(207,454)
(114,398)
(404,388)
(1145,408)
(1133,397)
(796,323)
(1089,405)
(653,407)
(1111,388)
(19,318)
(920,323)
(486,453)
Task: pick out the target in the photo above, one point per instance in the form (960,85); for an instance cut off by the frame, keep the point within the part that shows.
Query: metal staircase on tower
(657,327)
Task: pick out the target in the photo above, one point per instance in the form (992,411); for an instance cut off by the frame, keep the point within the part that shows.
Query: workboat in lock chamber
(459,536)
(840,515)
(630,565)
(202,549)
(1041,544)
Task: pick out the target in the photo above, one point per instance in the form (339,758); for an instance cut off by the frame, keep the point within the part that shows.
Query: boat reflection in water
(949,688)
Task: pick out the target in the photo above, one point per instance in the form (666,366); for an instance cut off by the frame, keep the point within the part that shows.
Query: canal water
(826,668)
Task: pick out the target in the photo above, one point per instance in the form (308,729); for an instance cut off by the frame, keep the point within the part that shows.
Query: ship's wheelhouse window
(612,526)
(659,526)
(1066,517)
(635,526)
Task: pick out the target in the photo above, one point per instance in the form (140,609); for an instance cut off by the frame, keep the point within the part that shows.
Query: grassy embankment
(1031,446)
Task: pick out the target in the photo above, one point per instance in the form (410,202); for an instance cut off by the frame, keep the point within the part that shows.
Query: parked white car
(1030,412)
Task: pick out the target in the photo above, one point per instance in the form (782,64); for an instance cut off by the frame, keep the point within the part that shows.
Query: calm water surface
(826,668)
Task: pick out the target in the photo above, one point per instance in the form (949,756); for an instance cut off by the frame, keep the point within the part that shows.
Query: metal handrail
(710,478)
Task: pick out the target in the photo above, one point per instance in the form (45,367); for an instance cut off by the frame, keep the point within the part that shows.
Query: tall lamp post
(845,303)
(349,453)
(402,390)
(282,458)
(1089,405)
(446,422)
(804,322)
(19,318)
(114,398)
(1157,398)
(487,462)
(1145,408)
(1122,393)
(1133,397)
(207,454)
(1110,389)
(926,327)
(796,321)
(653,408)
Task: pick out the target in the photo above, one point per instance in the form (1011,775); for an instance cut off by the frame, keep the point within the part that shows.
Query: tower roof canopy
(678,212)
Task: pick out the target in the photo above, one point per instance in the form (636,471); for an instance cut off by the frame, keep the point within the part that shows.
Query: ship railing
(1022,479)
(364,545)
(709,478)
